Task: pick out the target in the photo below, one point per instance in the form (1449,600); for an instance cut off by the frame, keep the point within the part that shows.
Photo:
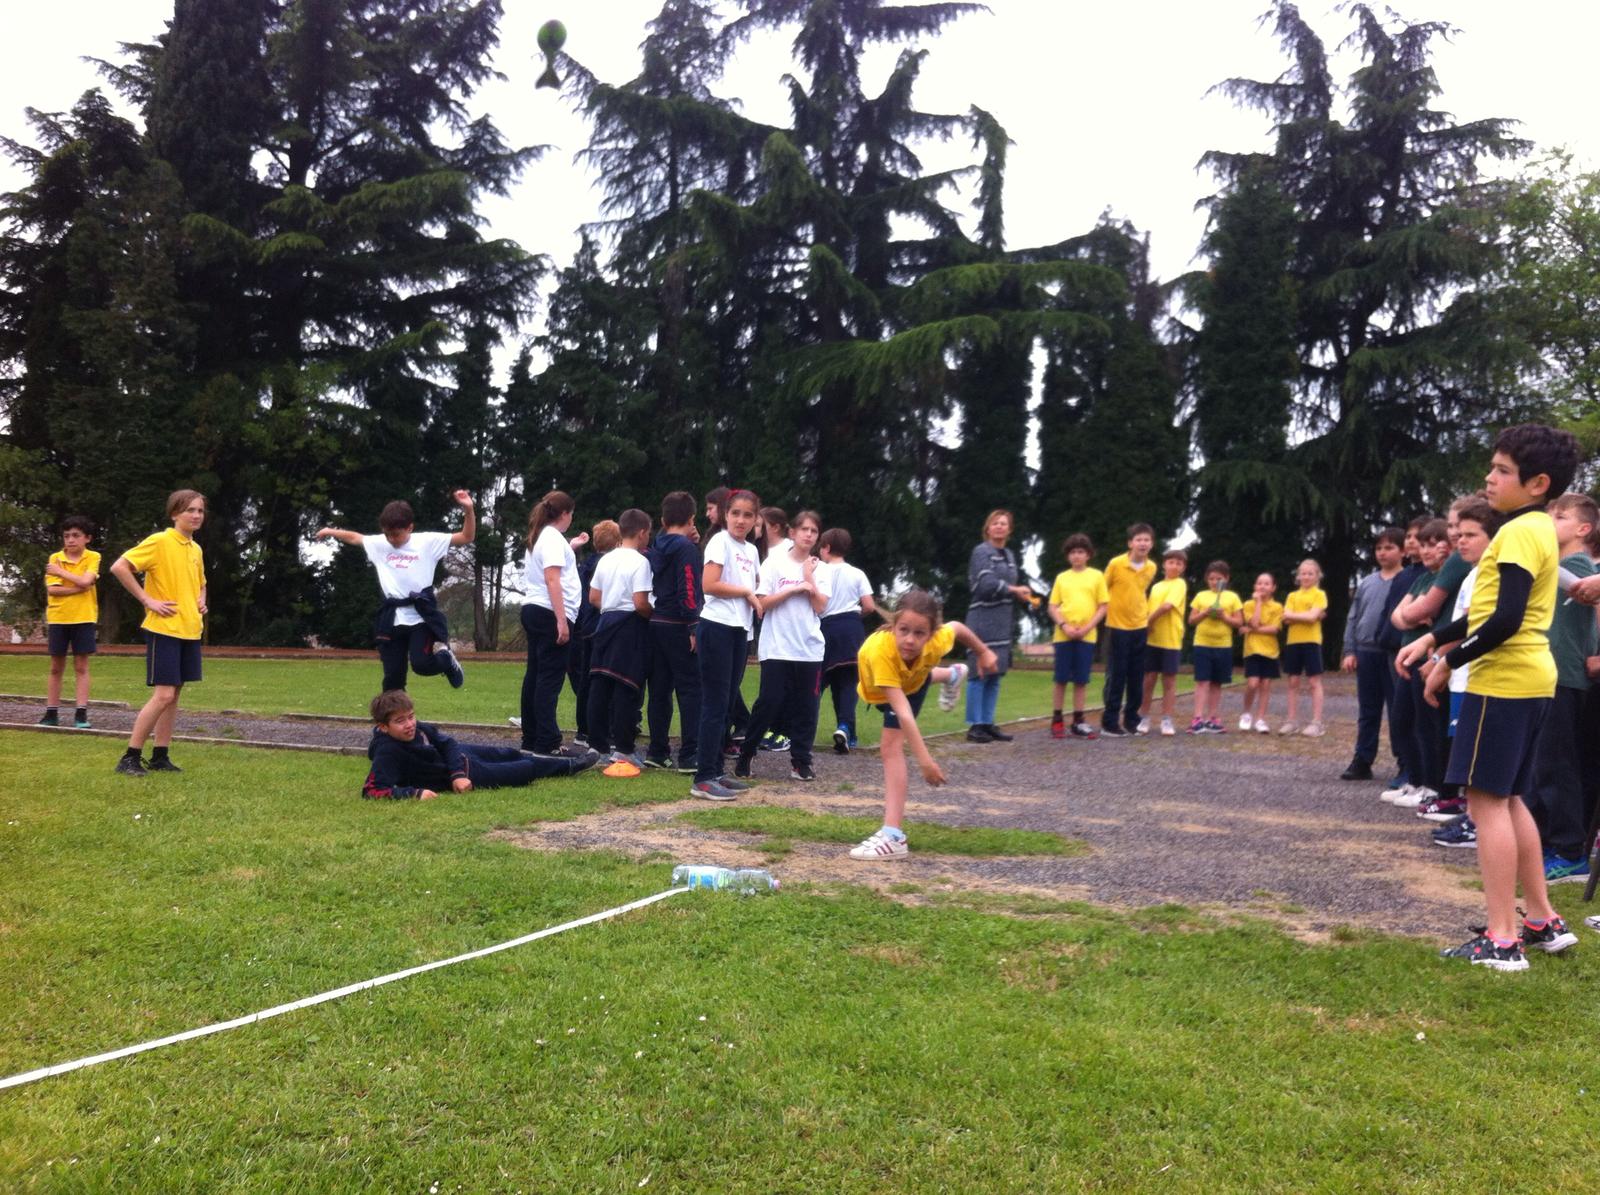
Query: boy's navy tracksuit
(672,668)
(433,760)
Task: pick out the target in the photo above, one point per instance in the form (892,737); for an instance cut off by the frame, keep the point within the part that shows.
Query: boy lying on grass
(414,760)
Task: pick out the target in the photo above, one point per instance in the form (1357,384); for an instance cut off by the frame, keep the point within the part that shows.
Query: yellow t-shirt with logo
(878,664)
(1522,666)
(1303,601)
(1263,643)
(1127,609)
(1079,594)
(1167,631)
(1213,631)
(82,606)
(173,572)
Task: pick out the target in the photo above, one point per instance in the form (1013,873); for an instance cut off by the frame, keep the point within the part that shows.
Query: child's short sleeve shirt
(1304,601)
(1078,594)
(408,569)
(174,571)
(1574,636)
(551,550)
(1126,584)
(791,630)
(848,586)
(621,573)
(879,664)
(1166,632)
(82,606)
(1522,666)
(1263,643)
(1458,676)
(1212,631)
(740,566)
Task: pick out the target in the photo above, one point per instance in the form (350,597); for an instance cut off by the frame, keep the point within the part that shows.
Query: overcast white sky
(1106,102)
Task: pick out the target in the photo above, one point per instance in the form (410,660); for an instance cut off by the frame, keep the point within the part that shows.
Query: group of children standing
(1145,621)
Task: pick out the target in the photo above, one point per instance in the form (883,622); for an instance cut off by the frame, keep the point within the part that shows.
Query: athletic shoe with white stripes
(879,845)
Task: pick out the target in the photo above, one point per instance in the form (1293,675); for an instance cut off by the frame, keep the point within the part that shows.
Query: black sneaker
(452,666)
(997,734)
(802,771)
(1457,835)
(1082,730)
(690,766)
(1482,951)
(979,734)
(659,762)
(741,770)
(130,765)
(585,761)
(775,741)
(1358,770)
(1111,730)
(82,723)
(1552,939)
(162,765)
(51,718)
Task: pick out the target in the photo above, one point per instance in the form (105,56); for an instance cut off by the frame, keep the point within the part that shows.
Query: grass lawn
(831,1041)
(493,690)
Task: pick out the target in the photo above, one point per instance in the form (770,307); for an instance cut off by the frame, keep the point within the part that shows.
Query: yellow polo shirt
(1303,601)
(878,664)
(173,572)
(1078,594)
(1522,666)
(82,606)
(1127,609)
(1214,632)
(1263,643)
(1167,631)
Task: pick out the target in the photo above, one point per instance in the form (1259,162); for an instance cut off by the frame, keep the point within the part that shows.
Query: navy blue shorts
(890,722)
(170,661)
(76,637)
(842,637)
(1074,662)
(1494,745)
(1261,667)
(1162,660)
(1302,659)
(1213,665)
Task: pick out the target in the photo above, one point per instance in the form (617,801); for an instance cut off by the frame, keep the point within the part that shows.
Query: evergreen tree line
(276,287)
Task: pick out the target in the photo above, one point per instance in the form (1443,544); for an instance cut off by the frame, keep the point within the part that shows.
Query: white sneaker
(1143,727)
(1289,728)
(1390,795)
(1246,721)
(949,694)
(879,845)
(1313,730)
(1166,726)
(1262,727)
(1414,796)
(515,721)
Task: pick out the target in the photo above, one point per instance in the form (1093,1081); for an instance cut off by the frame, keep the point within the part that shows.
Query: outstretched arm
(469,524)
(353,538)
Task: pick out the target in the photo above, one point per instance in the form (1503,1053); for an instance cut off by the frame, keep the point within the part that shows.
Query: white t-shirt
(621,573)
(848,586)
(791,630)
(1458,676)
(740,566)
(408,569)
(552,550)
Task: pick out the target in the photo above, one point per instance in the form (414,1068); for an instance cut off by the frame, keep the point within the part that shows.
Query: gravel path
(1237,823)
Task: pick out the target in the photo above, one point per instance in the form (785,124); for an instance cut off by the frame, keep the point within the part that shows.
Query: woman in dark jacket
(994,581)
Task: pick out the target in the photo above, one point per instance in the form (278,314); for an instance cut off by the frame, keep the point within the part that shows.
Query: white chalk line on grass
(62,1068)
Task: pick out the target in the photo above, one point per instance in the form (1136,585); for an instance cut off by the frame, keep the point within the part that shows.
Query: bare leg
(1316,698)
(1060,692)
(1252,687)
(52,692)
(1169,694)
(1078,692)
(892,749)
(1530,862)
(169,718)
(1294,698)
(80,665)
(1149,693)
(1266,699)
(1508,849)
(163,703)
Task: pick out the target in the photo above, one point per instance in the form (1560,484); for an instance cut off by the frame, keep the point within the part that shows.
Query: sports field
(890,1028)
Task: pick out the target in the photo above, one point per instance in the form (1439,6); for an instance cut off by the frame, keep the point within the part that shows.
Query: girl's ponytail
(546,511)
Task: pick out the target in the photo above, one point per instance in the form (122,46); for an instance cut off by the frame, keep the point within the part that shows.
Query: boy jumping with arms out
(70,616)
(1128,577)
(1078,601)
(896,664)
(1163,653)
(1513,678)
(409,622)
(174,598)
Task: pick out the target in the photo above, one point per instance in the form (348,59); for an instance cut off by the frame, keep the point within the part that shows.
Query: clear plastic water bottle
(745,881)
